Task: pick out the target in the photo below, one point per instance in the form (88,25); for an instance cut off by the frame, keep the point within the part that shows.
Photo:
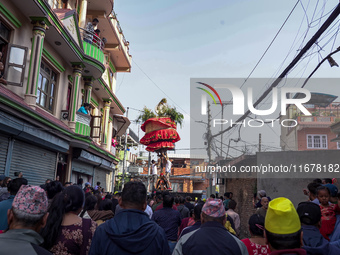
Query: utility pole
(209,134)
(260,141)
(125,148)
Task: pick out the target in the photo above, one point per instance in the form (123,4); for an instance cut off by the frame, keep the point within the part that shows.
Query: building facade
(53,64)
(307,133)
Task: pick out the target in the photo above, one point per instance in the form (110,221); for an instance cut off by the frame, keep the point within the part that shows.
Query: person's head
(108,196)
(80,181)
(261,193)
(159,198)
(133,196)
(97,31)
(29,209)
(6,181)
(323,195)
(95,22)
(265,202)
(226,195)
(188,199)
(90,203)
(70,200)
(98,183)
(176,200)
(14,186)
(309,213)
(317,181)
(48,181)
(106,205)
(212,196)
(256,225)
(53,188)
(312,187)
(2,177)
(213,210)
(87,106)
(198,211)
(232,204)
(231,195)
(168,201)
(67,184)
(181,200)
(327,180)
(333,190)
(282,225)
(87,185)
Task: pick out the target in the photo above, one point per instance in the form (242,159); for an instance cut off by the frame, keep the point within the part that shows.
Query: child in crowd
(328,212)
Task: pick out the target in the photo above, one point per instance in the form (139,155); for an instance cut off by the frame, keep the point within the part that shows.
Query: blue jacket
(213,238)
(129,232)
(315,244)
(4,206)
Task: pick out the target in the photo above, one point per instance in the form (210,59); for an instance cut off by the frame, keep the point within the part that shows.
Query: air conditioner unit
(135,169)
(64,115)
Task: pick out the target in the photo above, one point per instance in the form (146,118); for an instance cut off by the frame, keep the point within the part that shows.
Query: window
(4,40)
(317,142)
(46,87)
(16,61)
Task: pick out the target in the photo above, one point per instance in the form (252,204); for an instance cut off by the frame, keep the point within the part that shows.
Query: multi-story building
(52,66)
(311,132)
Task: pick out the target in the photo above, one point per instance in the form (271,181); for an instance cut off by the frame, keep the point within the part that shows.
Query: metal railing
(119,28)
(91,38)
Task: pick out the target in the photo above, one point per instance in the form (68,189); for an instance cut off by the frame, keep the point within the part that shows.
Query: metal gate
(3,153)
(103,176)
(36,164)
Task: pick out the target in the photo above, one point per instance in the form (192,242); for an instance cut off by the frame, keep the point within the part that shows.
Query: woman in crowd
(91,209)
(65,232)
(256,244)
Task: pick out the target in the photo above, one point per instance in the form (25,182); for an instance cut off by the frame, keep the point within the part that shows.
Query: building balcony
(83,124)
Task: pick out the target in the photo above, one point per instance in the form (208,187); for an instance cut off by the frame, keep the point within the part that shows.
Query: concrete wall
(291,185)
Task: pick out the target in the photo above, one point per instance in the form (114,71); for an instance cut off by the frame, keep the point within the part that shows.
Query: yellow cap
(281,217)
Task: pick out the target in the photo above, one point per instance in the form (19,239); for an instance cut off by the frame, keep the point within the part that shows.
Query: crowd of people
(81,219)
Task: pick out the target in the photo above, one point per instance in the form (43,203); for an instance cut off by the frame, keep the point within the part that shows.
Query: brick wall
(243,190)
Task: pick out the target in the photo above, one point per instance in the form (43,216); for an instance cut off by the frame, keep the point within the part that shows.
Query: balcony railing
(83,124)
(93,45)
(316,118)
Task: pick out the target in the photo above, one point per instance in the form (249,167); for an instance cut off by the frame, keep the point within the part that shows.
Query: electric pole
(125,148)
(209,134)
(260,141)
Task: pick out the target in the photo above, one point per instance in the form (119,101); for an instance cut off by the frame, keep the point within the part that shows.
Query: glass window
(46,87)
(16,61)
(317,142)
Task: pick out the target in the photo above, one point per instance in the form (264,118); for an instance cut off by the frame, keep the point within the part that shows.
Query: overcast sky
(173,41)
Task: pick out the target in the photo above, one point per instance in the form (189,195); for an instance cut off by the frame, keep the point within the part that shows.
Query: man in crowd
(86,108)
(313,241)
(159,201)
(184,211)
(13,188)
(212,237)
(226,200)
(197,218)
(283,228)
(263,209)
(169,219)
(234,215)
(26,218)
(130,231)
(154,174)
(187,203)
(312,192)
(89,30)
